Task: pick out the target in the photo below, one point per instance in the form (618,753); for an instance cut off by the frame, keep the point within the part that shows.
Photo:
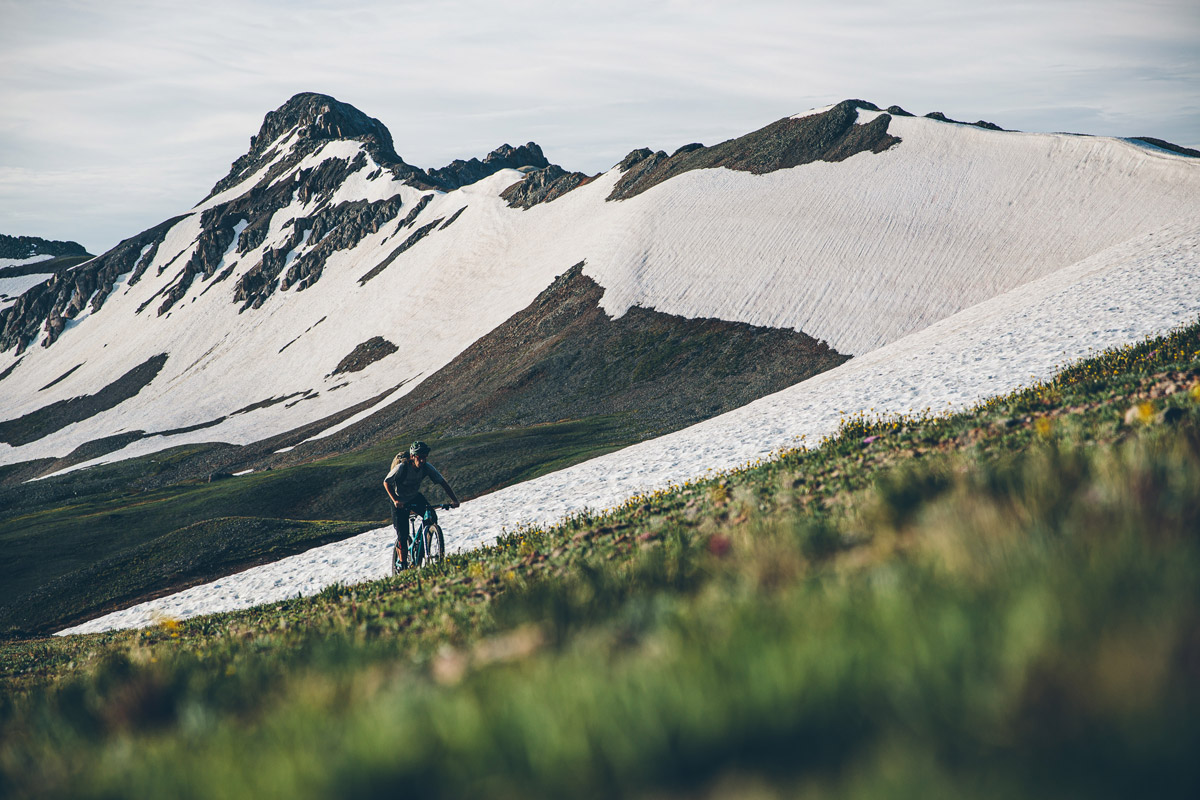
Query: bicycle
(427,544)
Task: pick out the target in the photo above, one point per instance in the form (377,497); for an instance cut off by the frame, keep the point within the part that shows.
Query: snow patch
(23,262)
(812,112)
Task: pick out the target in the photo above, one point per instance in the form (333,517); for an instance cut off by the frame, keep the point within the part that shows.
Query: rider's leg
(400,523)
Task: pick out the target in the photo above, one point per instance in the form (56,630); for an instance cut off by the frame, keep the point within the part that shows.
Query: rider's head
(418,450)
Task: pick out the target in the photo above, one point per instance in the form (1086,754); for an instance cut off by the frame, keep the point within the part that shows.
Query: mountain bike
(427,545)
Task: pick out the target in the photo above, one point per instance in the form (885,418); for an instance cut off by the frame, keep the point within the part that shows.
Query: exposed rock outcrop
(461,173)
(20,247)
(542,186)
(316,119)
(940,117)
(1174,148)
(365,355)
(829,136)
(416,236)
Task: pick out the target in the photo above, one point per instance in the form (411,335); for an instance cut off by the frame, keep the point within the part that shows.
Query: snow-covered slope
(860,252)
(1138,288)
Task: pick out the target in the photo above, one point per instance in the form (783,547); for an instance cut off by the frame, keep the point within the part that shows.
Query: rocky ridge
(18,247)
(315,120)
(563,358)
(46,308)
(542,186)
(459,173)
(829,136)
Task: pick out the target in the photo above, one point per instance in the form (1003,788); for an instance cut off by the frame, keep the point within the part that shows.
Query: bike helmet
(418,449)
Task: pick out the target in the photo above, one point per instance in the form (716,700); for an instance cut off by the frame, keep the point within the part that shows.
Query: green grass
(998,603)
(87,542)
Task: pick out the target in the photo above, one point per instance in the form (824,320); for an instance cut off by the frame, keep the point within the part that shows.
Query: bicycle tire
(435,544)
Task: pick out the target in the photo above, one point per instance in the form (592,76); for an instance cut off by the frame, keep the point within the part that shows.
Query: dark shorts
(417,505)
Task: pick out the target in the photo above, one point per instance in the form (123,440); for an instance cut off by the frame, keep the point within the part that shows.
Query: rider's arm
(437,478)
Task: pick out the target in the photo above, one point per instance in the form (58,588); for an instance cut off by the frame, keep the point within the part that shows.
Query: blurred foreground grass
(997,603)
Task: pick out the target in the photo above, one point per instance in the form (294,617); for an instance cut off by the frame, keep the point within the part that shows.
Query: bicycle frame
(421,534)
(416,540)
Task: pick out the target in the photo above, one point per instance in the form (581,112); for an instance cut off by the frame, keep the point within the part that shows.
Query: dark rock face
(11,367)
(365,355)
(416,210)
(563,358)
(332,227)
(940,117)
(453,217)
(542,186)
(829,136)
(461,173)
(1174,148)
(318,119)
(28,246)
(60,378)
(48,306)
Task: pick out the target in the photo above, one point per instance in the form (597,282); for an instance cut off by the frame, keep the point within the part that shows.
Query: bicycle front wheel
(435,544)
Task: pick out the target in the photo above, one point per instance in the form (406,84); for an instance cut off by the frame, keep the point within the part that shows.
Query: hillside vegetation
(557,384)
(996,603)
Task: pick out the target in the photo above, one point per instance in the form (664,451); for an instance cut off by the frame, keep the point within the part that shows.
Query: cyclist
(403,485)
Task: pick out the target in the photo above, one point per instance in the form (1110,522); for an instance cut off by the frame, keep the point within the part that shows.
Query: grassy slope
(997,603)
(125,545)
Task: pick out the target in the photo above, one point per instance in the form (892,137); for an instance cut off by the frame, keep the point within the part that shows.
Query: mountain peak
(320,117)
(316,118)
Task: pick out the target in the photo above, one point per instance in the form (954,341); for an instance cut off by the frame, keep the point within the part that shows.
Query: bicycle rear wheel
(435,544)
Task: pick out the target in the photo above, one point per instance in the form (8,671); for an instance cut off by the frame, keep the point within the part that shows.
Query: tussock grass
(996,603)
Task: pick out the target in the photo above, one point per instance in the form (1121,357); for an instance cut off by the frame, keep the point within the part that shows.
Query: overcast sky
(117,114)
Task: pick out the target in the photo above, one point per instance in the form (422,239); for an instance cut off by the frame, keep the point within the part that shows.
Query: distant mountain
(18,248)
(27,261)
(328,299)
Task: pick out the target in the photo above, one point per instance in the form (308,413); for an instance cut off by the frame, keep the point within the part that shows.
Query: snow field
(864,251)
(859,253)
(1138,288)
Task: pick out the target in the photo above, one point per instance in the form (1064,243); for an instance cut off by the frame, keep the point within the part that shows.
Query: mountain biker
(403,485)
